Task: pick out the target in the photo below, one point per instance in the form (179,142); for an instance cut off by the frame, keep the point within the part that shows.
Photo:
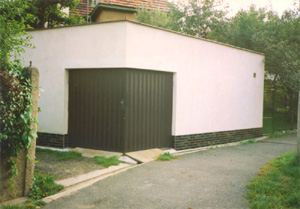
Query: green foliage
(40,13)
(250,141)
(106,162)
(16,121)
(30,204)
(276,37)
(255,29)
(13,38)
(197,18)
(278,185)
(213,147)
(13,207)
(279,123)
(50,13)
(59,155)
(43,186)
(166,157)
(153,17)
(193,17)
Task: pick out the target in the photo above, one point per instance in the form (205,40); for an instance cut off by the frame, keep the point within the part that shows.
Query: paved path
(207,179)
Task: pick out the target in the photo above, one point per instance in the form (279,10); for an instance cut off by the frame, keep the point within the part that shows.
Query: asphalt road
(207,179)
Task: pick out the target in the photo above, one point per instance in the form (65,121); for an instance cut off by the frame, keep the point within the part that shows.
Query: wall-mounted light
(254,75)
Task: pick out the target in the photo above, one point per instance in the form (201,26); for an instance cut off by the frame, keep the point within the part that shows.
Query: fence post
(273,109)
(298,129)
(33,74)
(24,177)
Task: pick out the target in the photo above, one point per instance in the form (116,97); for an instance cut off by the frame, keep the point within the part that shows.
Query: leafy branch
(16,121)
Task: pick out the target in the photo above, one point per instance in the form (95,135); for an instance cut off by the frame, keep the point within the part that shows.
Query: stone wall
(214,138)
(25,165)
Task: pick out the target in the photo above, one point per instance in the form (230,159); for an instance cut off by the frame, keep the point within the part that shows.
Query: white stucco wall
(57,50)
(214,88)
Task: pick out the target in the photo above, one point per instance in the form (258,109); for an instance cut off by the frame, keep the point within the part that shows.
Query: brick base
(52,140)
(213,138)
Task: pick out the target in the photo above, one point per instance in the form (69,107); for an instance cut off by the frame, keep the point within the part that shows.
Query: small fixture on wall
(254,75)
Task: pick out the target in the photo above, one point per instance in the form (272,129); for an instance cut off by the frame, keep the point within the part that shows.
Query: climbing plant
(16,130)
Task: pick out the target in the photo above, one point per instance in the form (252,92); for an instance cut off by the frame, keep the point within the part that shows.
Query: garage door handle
(122,105)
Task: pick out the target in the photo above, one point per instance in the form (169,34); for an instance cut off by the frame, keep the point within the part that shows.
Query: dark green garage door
(120,109)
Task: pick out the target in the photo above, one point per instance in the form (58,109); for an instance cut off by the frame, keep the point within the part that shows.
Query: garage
(125,86)
(120,110)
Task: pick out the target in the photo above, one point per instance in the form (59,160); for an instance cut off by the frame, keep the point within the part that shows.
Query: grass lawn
(278,184)
(61,156)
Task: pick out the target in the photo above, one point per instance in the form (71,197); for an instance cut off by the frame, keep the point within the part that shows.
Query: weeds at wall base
(166,157)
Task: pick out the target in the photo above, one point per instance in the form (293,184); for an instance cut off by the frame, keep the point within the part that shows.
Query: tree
(255,29)
(15,87)
(276,37)
(49,13)
(13,37)
(241,28)
(197,18)
(153,17)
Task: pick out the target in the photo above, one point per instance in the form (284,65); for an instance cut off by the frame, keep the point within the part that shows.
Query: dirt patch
(64,169)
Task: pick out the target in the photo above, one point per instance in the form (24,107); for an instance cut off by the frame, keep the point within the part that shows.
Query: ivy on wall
(16,122)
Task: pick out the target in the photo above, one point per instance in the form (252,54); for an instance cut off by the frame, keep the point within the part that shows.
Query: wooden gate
(120,109)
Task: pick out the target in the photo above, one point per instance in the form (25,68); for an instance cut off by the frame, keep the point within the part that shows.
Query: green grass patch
(59,155)
(250,141)
(43,186)
(34,203)
(213,147)
(278,184)
(13,207)
(107,161)
(30,204)
(282,133)
(166,156)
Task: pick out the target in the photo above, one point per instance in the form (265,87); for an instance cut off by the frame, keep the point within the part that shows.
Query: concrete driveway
(207,179)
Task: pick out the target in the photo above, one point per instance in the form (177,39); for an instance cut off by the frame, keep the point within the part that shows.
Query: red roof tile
(149,4)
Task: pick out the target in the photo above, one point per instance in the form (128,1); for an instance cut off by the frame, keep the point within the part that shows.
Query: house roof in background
(149,4)
(81,8)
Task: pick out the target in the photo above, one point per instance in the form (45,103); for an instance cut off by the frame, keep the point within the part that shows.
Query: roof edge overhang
(151,26)
(101,6)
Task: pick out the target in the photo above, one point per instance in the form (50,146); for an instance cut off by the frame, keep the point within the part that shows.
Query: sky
(277,5)
(235,5)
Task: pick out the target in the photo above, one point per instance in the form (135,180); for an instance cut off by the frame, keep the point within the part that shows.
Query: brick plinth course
(214,138)
(52,140)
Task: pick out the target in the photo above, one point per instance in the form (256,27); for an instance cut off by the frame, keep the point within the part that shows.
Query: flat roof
(151,26)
